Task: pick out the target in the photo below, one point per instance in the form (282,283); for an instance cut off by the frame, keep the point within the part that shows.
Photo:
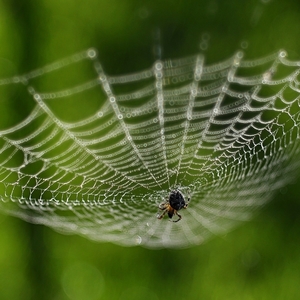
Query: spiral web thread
(226,135)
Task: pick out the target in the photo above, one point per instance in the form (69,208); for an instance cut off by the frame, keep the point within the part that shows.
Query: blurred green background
(259,260)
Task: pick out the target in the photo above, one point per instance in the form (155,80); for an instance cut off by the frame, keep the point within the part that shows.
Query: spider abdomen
(176,200)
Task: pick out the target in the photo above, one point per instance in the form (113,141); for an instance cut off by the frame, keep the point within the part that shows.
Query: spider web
(96,154)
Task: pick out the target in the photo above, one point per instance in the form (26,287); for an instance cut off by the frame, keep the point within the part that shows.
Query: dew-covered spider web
(95,154)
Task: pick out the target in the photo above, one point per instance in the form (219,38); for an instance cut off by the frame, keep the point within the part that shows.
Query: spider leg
(179,217)
(187,203)
(162,206)
(162,215)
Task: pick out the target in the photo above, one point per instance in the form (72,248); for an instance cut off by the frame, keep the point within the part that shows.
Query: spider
(172,205)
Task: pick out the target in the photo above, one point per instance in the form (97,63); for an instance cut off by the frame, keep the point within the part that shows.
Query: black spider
(172,205)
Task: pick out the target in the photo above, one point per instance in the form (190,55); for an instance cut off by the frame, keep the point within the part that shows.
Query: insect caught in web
(172,205)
